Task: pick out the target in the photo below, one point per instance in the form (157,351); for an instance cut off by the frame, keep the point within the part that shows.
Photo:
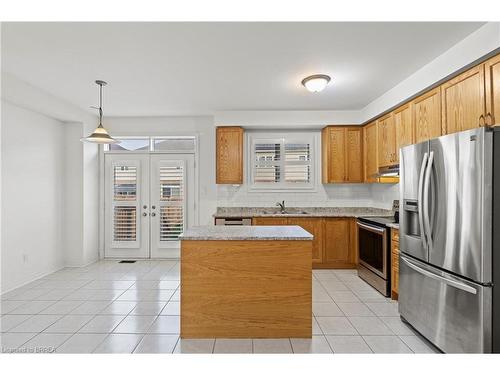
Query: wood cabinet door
(270,221)
(404,128)
(354,154)
(337,160)
(229,155)
(370,152)
(463,101)
(492,86)
(315,227)
(426,114)
(336,239)
(386,141)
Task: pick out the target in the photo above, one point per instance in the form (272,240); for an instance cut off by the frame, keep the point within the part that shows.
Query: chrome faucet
(281,206)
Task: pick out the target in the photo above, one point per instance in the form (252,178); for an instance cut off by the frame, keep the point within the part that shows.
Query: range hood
(390,171)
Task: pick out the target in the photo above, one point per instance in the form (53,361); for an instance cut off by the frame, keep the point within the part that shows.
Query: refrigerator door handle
(453,283)
(419,199)
(425,204)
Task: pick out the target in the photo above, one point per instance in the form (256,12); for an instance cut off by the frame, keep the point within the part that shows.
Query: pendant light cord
(100,104)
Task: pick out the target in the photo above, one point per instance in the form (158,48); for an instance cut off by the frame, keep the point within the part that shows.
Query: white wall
(289,119)
(32,195)
(73,195)
(80,197)
(476,45)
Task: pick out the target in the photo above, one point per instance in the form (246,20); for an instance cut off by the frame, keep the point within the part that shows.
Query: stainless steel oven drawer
(453,313)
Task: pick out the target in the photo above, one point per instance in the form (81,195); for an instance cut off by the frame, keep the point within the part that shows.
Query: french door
(149,201)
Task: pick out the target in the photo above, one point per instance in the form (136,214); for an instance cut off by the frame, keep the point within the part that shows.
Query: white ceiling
(200,68)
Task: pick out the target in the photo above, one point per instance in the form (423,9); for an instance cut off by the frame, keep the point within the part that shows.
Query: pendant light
(100,135)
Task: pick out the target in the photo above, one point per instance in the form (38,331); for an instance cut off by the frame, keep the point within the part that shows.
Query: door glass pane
(124,223)
(171,223)
(172,202)
(174,144)
(171,183)
(125,183)
(140,144)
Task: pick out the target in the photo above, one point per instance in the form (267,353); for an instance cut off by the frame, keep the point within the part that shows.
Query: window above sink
(282,161)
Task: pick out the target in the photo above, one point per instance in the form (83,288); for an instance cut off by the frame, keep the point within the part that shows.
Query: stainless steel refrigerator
(449,286)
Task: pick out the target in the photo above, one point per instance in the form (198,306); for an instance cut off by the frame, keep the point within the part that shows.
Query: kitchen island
(246,282)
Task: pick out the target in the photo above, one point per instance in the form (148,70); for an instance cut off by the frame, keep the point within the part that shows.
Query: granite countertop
(228,212)
(393,225)
(246,232)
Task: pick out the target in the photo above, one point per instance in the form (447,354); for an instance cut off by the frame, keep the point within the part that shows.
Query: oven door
(373,248)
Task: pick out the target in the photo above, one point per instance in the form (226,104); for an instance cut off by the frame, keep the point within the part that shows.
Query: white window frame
(151,141)
(253,137)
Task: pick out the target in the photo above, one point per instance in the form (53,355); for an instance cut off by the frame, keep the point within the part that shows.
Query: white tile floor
(109,307)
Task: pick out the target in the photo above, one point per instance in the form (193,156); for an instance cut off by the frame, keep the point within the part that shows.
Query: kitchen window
(282,161)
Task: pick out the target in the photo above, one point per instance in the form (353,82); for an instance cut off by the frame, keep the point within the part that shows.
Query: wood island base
(246,289)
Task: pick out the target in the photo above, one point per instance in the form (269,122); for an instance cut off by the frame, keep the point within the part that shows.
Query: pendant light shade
(100,135)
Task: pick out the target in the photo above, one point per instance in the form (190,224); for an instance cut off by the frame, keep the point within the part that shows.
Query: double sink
(286,212)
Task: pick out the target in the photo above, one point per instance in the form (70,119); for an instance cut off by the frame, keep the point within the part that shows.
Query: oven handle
(371,228)
(445,280)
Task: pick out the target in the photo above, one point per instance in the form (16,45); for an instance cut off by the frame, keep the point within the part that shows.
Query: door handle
(420,197)
(445,280)
(153,214)
(144,214)
(427,225)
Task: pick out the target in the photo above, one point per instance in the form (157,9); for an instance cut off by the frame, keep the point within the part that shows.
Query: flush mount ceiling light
(100,135)
(316,82)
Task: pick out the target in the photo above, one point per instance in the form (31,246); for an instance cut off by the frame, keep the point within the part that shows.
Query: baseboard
(36,278)
(82,265)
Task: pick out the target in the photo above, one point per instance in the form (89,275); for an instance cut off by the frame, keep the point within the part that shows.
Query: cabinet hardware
(481,120)
(489,119)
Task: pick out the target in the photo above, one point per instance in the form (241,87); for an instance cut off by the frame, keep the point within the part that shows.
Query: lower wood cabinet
(315,227)
(335,239)
(394,263)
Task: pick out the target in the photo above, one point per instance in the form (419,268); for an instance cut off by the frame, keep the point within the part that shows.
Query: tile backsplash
(334,195)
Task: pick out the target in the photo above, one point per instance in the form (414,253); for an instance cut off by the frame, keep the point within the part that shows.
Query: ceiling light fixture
(100,135)
(316,82)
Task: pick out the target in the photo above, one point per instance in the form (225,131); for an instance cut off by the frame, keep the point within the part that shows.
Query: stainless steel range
(450,240)
(374,252)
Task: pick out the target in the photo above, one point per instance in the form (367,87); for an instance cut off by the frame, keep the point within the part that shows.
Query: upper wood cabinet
(354,153)
(404,128)
(229,151)
(426,110)
(492,87)
(370,152)
(342,150)
(463,101)
(386,136)
(333,158)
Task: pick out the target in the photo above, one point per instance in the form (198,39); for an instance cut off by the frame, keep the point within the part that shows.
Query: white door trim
(101,161)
